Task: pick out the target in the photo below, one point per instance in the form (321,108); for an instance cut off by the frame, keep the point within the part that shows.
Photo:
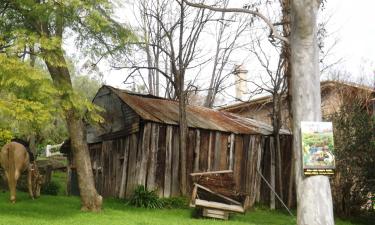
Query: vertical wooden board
(175,163)
(258,166)
(231,151)
(124,167)
(132,165)
(237,167)
(252,168)
(272,180)
(105,168)
(217,151)
(197,150)
(224,152)
(139,155)
(190,158)
(120,162)
(152,158)
(211,152)
(246,141)
(168,162)
(203,152)
(265,170)
(160,168)
(98,168)
(102,170)
(115,160)
(143,154)
(249,149)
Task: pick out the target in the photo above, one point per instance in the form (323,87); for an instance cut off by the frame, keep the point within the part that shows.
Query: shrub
(52,188)
(145,198)
(174,202)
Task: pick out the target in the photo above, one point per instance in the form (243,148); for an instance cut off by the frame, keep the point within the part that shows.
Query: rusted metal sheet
(166,111)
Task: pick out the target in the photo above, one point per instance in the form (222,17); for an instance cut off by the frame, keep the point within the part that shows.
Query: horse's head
(37,181)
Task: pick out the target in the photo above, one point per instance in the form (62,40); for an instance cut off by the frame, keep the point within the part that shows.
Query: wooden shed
(139,144)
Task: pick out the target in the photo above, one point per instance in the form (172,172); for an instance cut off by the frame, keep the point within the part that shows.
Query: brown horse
(14,159)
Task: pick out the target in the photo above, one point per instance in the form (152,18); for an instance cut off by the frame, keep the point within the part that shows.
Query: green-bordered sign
(317,148)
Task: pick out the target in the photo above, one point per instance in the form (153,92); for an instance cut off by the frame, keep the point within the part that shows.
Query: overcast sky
(353,24)
(350,23)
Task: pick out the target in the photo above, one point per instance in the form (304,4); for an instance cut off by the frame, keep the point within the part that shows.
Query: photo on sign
(317,145)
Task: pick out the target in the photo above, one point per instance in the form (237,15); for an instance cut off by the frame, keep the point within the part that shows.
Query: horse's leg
(29,183)
(12,187)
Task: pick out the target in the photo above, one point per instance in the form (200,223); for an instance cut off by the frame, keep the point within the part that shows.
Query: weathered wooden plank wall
(151,157)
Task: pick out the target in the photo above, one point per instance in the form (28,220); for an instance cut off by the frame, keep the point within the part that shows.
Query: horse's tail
(11,166)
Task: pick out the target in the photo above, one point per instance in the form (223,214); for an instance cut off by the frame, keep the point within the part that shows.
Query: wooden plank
(124,167)
(237,167)
(218,205)
(175,163)
(217,151)
(224,152)
(152,162)
(258,168)
(244,165)
(231,151)
(203,153)
(143,154)
(191,141)
(115,166)
(168,163)
(102,166)
(214,213)
(131,176)
(209,154)
(273,173)
(197,150)
(211,172)
(160,168)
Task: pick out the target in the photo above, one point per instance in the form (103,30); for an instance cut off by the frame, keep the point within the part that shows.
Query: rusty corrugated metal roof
(166,111)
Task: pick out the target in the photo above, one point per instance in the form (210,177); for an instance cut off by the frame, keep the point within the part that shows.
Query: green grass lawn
(65,210)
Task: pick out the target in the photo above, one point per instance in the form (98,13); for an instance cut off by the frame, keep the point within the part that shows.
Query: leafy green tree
(354,129)
(38,27)
(28,99)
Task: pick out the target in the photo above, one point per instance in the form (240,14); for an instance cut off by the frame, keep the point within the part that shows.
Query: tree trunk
(314,198)
(90,199)
(182,105)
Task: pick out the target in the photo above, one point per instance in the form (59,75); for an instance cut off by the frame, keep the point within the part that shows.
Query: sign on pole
(317,148)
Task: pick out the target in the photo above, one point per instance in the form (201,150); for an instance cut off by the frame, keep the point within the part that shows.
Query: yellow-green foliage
(5,136)
(28,98)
